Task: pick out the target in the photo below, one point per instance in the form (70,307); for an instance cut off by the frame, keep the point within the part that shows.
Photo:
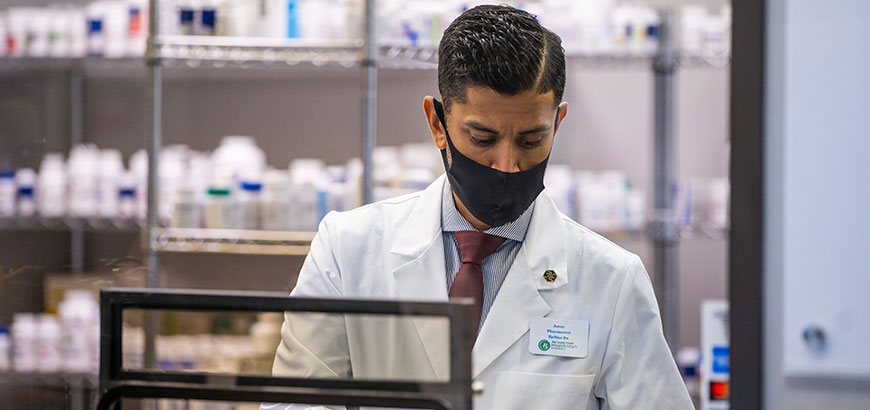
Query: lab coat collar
(420,272)
(520,297)
(418,254)
(546,244)
(424,225)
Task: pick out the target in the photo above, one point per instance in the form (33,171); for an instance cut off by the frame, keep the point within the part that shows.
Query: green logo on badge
(544,345)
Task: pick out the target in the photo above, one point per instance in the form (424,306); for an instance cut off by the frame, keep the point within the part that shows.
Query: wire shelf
(217,53)
(37,223)
(406,57)
(234,241)
(706,59)
(694,232)
(645,60)
(30,64)
(249,49)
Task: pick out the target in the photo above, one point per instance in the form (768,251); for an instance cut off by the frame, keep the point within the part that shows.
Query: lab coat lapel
(419,273)
(519,299)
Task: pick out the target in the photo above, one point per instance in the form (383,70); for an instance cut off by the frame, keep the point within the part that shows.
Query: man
(486,230)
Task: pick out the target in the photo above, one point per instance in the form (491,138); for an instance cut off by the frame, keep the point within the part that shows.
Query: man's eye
(482,141)
(532,144)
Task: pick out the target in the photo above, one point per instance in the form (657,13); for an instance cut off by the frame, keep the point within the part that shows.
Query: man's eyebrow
(480,127)
(540,128)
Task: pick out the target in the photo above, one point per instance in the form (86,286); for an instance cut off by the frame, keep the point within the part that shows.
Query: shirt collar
(452,220)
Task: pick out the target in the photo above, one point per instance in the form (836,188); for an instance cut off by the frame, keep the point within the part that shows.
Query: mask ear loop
(556,121)
(555,128)
(439,110)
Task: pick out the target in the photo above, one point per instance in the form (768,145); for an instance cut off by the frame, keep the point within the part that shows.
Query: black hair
(502,48)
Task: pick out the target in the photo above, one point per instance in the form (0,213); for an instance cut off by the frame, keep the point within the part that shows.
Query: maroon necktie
(474,247)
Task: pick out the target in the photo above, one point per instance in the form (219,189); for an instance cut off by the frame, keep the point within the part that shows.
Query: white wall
(817,182)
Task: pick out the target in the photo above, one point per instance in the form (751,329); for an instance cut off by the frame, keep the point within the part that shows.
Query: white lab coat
(394,250)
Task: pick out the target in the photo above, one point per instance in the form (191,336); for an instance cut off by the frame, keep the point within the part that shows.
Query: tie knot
(476,246)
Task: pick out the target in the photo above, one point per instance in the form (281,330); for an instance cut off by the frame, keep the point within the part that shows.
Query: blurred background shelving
(259,93)
(192,53)
(300,99)
(93,224)
(247,242)
(286,105)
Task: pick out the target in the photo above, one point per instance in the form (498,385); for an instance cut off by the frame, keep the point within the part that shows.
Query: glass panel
(174,404)
(261,138)
(309,345)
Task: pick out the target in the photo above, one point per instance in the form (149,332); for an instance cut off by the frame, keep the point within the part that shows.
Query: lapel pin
(550,275)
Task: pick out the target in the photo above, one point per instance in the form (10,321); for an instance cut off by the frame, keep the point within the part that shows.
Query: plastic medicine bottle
(307,193)
(24,342)
(266,332)
(3,34)
(83,178)
(188,209)
(25,179)
(111,167)
(219,209)
(51,186)
(96,13)
(78,313)
(275,211)
(247,207)
(127,195)
(5,344)
(48,357)
(7,193)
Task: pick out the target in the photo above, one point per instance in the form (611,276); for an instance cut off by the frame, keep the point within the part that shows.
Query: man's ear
(563,111)
(435,126)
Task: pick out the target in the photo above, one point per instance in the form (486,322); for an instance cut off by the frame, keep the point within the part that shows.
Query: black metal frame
(745,277)
(117,383)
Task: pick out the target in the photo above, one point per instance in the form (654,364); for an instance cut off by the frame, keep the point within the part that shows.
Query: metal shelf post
(154,98)
(664,228)
(369,101)
(77,131)
(153,131)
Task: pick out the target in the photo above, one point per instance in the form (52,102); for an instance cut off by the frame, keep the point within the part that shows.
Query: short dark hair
(502,48)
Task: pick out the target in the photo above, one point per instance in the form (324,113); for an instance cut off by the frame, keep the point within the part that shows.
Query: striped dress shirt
(495,267)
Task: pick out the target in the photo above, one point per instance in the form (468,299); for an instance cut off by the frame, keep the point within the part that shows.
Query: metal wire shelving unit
(235,241)
(204,53)
(70,223)
(219,52)
(199,54)
(269,50)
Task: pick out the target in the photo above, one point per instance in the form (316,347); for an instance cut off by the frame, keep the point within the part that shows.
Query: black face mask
(492,196)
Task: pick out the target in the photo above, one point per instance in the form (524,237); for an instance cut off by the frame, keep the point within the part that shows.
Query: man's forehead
(486,101)
(481,94)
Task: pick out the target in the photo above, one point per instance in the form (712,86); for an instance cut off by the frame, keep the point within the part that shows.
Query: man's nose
(506,158)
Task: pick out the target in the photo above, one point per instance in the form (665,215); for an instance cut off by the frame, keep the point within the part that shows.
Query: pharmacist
(488,230)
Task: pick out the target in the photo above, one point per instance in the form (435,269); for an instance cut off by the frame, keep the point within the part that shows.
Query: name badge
(559,337)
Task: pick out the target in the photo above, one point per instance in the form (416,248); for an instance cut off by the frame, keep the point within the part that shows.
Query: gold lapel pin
(550,275)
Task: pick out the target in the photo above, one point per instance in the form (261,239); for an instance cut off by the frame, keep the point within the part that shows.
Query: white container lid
(25,177)
(78,294)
